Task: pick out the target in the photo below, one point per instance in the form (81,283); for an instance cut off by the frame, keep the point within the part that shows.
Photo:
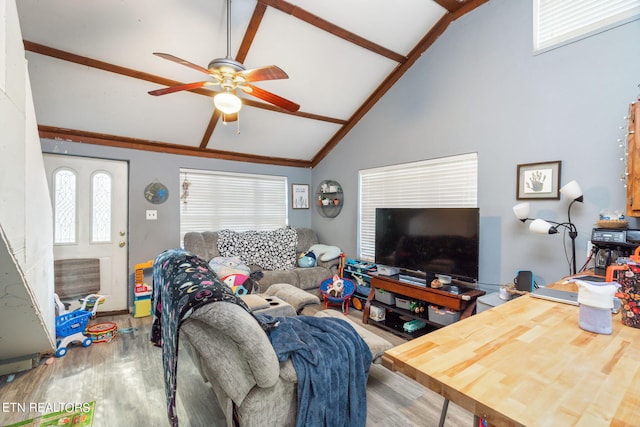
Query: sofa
(206,245)
(235,356)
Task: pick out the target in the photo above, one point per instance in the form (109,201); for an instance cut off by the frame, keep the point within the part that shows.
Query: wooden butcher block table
(527,362)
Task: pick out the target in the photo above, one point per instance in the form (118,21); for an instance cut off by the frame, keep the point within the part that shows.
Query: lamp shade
(521,210)
(227,102)
(542,227)
(572,190)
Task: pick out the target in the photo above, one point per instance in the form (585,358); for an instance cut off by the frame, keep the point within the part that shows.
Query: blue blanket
(332,363)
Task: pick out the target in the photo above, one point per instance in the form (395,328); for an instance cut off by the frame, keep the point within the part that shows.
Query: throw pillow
(224,266)
(325,252)
(270,250)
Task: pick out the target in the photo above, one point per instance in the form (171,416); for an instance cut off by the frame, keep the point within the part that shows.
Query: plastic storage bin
(403,303)
(385,296)
(443,316)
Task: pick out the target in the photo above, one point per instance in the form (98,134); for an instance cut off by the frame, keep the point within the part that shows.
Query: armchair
(234,354)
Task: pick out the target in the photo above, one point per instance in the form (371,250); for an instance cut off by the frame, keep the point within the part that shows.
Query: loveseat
(206,245)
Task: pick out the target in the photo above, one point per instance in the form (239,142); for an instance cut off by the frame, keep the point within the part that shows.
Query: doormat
(79,416)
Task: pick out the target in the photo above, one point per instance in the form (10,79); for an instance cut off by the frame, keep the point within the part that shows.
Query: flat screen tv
(425,242)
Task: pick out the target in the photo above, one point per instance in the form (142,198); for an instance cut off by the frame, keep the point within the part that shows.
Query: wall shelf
(329,198)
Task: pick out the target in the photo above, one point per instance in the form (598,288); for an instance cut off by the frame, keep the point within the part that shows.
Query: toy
(436,284)
(336,287)
(226,266)
(307,260)
(242,284)
(236,283)
(71,326)
(102,332)
(343,288)
(141,287)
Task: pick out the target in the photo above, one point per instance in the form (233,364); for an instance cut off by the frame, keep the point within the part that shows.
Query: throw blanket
(332,363)
(182,282)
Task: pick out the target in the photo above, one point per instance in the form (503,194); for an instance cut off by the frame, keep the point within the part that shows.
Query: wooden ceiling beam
(467,6)
(456,8)
(395,75)
(105,66)
(252,29)
(243,51)
(213,122)
(459,7)
(73,135)
(128,72)
(337,31)
(451,5)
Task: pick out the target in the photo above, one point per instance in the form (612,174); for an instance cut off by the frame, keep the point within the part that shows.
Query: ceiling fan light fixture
(227,102)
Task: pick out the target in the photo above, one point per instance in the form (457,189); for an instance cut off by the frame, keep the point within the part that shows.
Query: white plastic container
(376,313)
(596,302)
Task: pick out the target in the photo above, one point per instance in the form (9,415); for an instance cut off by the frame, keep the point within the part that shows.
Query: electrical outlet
(152,215)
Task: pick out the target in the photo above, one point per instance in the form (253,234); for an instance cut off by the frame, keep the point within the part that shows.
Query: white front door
(89,198)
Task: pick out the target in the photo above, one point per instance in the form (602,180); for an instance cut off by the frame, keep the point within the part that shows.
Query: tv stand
(412,280)
(463,300)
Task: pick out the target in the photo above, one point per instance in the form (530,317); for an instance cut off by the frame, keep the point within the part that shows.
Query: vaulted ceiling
(91,66)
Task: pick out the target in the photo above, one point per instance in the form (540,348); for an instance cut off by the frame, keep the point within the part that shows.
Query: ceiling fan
(230,75)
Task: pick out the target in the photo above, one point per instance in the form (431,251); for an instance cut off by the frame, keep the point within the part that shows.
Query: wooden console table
(463,301)
(528,363)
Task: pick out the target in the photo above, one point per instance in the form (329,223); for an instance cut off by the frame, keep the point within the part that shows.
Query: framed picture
(539,181)
(300,196)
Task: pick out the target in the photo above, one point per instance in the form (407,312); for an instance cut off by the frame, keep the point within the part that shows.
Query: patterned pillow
(270,250)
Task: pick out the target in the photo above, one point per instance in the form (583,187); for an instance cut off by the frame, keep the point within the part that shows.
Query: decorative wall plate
(156,193)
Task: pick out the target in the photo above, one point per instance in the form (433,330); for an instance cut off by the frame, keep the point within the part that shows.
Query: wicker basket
(612,223)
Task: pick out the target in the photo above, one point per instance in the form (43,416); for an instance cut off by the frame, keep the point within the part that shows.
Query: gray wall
(480,88)
(27,324)
(149,238)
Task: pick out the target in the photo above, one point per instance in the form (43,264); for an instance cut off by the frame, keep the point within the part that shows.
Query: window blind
(562,21)
(448,182)
(213,200)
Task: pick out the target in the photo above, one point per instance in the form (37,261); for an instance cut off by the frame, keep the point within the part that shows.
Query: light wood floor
(125,379)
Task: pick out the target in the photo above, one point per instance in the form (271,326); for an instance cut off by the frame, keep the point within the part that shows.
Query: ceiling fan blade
(177,88)
(271,98)
(270,72)
(182,61)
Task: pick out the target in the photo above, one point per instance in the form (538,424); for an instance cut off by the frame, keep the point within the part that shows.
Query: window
(64,206)
(216,200)
(101,207)
(448,182)
(557,22)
